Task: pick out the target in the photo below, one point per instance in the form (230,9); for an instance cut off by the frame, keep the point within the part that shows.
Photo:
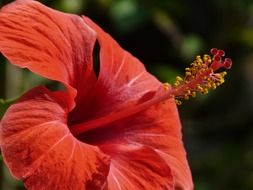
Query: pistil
(204,74)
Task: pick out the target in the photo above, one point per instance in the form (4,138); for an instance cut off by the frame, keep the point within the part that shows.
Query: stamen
(202,76)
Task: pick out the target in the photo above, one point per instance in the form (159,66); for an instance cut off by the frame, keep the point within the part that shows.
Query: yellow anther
(188,73)
(223,74)
(208,85)
(176,84)
(199,88)
(186,97)
(178,102)
(178,78)
(222,81)
(206,58)
(205,91)
(214,86)
(193,94)
(166,86)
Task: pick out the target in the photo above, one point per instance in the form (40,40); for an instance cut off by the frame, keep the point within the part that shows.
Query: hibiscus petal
(55,45)
(122,78)
(154,134)
(138,167)
(38,147)
(157,128)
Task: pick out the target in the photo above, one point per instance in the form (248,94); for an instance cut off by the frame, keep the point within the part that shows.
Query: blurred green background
(166,35)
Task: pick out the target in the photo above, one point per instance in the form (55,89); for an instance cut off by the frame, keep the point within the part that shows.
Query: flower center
(201,76)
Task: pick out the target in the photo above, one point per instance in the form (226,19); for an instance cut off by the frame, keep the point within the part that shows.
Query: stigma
(204,74)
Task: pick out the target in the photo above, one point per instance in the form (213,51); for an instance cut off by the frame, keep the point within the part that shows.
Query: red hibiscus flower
(119,130)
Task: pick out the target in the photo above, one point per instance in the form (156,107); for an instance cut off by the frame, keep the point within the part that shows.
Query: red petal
(138,167)
(155,133)
(122,78)
(38,147)
(50,43)
(157,128)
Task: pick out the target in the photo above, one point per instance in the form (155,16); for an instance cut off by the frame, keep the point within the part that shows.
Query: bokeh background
(166,35)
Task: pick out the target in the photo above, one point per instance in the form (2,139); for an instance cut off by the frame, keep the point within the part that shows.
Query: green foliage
(73,6)
(127,15)
(191,45)
(166,73)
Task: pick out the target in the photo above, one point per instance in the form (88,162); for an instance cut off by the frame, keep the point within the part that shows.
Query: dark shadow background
(166,35)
